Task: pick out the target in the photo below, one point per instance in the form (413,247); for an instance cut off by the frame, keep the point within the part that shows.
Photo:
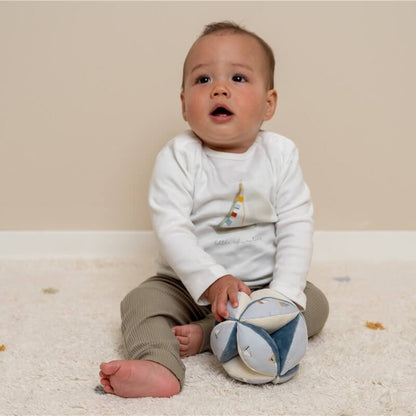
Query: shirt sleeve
(171,201)
(294,231)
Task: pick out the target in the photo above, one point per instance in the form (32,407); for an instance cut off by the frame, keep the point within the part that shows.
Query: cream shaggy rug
(59,319)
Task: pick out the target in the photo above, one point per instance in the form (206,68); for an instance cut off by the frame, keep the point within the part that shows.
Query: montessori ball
(263,340)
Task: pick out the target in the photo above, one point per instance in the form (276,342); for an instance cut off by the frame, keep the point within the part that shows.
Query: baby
(230,211)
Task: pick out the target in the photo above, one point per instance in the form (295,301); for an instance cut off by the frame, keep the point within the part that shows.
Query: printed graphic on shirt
(237,213)
(248,208)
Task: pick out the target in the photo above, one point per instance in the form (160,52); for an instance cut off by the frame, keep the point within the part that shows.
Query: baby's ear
(183,106)
(271,103)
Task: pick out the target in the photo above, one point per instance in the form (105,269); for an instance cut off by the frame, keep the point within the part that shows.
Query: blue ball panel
(257,350)
(224,340)
(291,341)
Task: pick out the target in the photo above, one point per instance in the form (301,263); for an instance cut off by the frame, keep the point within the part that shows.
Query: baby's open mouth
(221,111)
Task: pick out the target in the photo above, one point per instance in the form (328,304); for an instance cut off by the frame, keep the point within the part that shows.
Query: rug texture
(60,319)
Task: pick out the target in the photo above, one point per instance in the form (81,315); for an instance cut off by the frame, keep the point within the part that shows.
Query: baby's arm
(294,230)
(171,199)
(224,289)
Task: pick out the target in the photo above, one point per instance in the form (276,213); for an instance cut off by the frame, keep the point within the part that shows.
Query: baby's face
(225,97)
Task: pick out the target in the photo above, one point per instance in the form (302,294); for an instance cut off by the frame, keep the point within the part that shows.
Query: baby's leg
(194,338)
(148,314)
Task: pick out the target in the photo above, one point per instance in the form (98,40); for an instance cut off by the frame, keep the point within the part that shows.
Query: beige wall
(89,92)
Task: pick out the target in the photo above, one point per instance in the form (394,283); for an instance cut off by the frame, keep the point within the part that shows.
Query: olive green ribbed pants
(150,311)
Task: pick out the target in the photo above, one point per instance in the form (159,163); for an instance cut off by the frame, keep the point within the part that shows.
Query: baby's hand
(226,287)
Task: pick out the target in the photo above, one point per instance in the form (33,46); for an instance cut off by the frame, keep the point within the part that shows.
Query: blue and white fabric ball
(263,340)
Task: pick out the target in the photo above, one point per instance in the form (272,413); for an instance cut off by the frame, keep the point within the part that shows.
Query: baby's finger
(244,288)
(218,317)
(215,313)
(233,295)
(222,306)
(222,312)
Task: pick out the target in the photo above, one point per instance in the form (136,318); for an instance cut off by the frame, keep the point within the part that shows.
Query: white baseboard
(328,245)
(364,245)
(89,244)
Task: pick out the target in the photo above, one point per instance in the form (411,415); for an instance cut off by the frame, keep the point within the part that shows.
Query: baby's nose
(220,90)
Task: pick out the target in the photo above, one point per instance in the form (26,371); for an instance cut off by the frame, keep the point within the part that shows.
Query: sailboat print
(237,213)
(248,209)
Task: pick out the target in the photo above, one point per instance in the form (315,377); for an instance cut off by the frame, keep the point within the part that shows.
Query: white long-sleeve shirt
(245,214)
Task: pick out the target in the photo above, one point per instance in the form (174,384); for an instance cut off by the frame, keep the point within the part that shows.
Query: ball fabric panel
(243,301)
(236,369)
(224,341)
(272,323)
(286,377)
(290,343)
(264,309)
(257,350)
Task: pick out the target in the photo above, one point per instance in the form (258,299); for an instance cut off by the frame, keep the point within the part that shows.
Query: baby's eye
(203,79)
(239,78)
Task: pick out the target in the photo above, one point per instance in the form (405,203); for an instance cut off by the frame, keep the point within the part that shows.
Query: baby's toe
(109,369)
(183,340)
(181,331)
(108,389)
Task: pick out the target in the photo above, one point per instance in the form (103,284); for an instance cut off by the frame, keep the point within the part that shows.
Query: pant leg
(316,314)
(149,312)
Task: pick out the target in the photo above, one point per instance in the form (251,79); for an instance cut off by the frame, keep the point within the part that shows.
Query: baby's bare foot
(190,339)
(134,378)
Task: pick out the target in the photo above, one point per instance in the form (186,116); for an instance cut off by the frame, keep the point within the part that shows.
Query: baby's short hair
(232,27)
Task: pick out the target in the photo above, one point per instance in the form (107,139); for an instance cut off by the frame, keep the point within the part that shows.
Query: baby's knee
(142,299)
(130,300)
